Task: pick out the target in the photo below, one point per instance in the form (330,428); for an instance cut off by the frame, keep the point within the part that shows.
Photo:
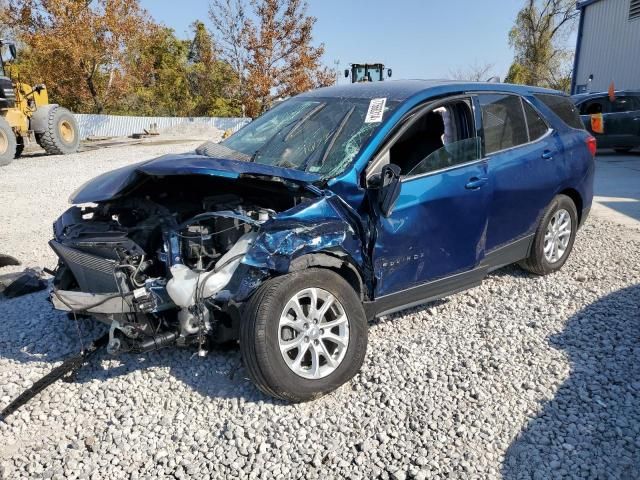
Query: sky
(416,38)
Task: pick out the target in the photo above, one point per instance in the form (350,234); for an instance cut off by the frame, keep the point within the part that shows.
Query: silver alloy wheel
(313,333)
(557,236)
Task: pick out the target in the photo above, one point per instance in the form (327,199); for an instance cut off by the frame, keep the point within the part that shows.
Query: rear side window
(564,108)
(625,104)
(503,122)
(537,126)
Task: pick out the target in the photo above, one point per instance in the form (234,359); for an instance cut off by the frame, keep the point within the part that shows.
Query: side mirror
(13,51)
(389,188)
(346,73)
(389,72)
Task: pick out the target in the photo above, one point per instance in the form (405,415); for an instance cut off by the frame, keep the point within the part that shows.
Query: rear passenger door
(622,124)
(522,152)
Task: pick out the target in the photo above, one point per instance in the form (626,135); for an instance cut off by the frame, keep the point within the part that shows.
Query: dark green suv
(621,118)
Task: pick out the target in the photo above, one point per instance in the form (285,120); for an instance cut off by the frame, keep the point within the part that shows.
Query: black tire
(8,143)
(259,336)
(62,135)
(537,262)
(623,150)
(19,146)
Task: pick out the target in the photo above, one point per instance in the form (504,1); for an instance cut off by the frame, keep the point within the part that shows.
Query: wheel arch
(338,264)
(576,198)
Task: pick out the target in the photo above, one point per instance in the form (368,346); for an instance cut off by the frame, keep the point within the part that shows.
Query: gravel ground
(522,377)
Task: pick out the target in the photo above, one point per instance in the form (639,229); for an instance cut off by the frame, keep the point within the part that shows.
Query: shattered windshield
(317,135)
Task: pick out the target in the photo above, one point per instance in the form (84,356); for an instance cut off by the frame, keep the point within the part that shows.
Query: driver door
(436,231)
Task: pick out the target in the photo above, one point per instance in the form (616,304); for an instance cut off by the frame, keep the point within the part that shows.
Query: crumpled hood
(114,183)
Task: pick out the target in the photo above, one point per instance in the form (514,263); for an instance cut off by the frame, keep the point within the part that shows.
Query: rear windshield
(564,108)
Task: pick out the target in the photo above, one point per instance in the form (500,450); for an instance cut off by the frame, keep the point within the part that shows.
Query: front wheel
(303,335)
(8,144)
(554,237)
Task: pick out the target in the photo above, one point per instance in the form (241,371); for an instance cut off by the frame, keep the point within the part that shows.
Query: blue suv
(332,208)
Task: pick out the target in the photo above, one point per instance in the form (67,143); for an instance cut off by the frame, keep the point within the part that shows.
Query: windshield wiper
(295,126)
(331,140)
(302,121)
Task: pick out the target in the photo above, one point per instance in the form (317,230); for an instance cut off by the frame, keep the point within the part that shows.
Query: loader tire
(62,135)
(8,143)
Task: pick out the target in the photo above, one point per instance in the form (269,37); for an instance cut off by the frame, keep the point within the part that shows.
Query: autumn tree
(269,44)
(539,39)
(476,72)
(87,52)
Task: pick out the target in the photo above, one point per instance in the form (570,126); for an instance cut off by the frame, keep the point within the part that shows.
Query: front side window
(318,135)
(503,122)
(440,138)
(594,106)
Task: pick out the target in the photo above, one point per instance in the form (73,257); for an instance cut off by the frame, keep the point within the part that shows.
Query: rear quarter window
(564,108)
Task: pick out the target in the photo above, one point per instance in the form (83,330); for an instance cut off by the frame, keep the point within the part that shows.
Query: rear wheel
(303,335)
(62,135)
(7,143)
(554,237)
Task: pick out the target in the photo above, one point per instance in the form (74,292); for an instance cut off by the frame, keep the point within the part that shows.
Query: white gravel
(523,377)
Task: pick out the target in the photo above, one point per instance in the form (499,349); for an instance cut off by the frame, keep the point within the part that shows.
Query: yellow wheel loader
(26,115)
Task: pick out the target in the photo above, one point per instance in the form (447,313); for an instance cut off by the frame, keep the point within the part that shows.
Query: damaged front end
(170,257)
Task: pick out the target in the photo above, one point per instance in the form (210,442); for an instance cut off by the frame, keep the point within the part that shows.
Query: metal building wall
(610,47)
(121,126)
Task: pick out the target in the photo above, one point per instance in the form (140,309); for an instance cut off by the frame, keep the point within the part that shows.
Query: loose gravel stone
(522,377)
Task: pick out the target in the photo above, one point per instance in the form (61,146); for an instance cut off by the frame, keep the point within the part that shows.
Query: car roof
(401,90)
(585,96)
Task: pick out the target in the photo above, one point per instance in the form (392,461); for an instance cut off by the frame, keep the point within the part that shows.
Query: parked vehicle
(620,118)
(26,115)
(336,206)
(367,72)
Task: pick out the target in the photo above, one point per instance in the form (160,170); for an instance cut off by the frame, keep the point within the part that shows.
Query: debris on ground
(30,281)
(8,260)
(65,371)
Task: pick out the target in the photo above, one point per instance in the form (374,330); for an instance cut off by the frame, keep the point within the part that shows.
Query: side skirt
(508,254)
(444,287)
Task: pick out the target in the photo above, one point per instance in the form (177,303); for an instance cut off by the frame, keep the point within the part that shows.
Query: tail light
(592,145)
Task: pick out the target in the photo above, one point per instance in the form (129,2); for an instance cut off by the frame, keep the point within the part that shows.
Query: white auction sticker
(376,110)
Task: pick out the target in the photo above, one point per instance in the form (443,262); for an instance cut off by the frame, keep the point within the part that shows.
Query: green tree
(211,80)
(539,39)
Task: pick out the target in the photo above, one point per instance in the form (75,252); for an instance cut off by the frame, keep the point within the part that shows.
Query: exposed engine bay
(154,262)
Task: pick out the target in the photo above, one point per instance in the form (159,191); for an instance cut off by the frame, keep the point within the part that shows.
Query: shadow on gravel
(32,332)
(591,428)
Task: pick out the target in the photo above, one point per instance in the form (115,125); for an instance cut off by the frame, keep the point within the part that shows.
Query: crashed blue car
(334,207)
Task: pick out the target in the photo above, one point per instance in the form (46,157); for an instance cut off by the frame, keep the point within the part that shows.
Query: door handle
(547,155)
(475,183)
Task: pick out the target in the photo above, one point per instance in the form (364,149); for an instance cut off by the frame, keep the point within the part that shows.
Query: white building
(608,47)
